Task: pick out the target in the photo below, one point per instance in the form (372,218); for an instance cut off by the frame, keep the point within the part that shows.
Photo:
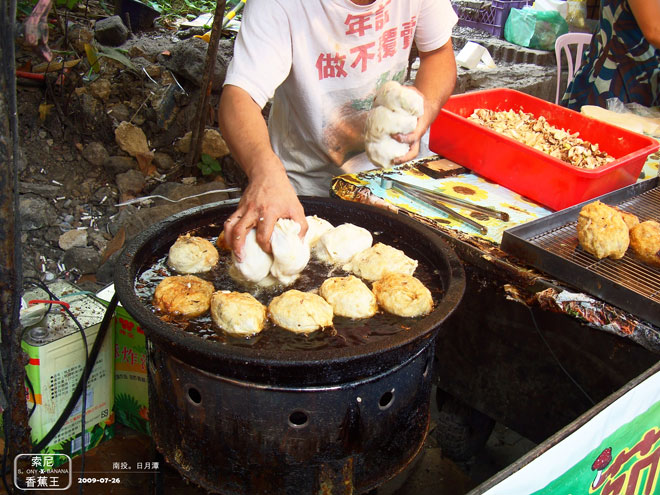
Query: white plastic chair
(565,41)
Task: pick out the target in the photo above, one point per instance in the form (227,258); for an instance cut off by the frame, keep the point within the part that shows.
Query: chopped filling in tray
(537,133)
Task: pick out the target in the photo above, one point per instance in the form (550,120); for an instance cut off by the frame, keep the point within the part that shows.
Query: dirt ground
(73,172)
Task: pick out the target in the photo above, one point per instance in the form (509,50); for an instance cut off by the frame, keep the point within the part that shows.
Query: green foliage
(209,165)
(69,4)
(188,8)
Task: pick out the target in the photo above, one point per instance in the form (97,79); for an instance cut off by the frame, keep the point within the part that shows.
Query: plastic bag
(576,14)
(558,5)
(531,28)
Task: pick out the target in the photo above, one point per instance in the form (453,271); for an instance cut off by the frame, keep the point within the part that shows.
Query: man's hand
(435,80)
(269,194)
(36,29)
(413,139)
(264,201)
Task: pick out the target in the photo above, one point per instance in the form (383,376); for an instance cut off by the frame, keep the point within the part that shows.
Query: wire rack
(552,246)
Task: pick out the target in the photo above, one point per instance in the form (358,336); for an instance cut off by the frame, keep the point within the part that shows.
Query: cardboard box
(131,397)
(56,353)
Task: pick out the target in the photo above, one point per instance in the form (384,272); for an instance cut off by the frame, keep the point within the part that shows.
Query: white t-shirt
(322,62)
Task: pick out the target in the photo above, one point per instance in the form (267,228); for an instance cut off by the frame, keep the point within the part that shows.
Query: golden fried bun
(192,254)
(300,312)
(349,296)
(601,231)
(221,242)
(629,219)
(238,313)
(645,242)
(403,295)
(340,244)
(185,295)
(374,262)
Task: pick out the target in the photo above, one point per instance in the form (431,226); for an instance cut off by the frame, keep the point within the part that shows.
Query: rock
(136,51)
(95,153)
(213,144)
(101,89)
(73,238)
(119,112)
(98,239)
(119,164)
(163,161)
(164,104)
(84,259)
(92,113)
(78,35)
(35,212)
(131,139)
(154,71)
(52,234)
(110,31)
(105,273)
(130,183)
(105,194)
(121,219)
(188,59)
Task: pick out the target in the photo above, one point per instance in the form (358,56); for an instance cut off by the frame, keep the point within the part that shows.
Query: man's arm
(435,79)
(269,194)
(647,15)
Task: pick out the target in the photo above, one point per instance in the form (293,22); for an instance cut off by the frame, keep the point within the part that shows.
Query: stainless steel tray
(550,244)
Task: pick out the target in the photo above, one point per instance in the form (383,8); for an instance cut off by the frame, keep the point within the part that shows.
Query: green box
(131,396)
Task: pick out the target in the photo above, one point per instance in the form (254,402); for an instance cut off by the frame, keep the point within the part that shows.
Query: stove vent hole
(298,419)
(386,400)
(194,395)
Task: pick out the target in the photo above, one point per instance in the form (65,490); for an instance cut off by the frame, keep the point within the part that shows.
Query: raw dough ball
(185,295)
(316,227)
(300,312)
(238,313)
(192,254)
(374,262)
(645,242)
(382,151)
(394,111)
(340,244)
(400,98)
(290,252)
(256,262)
(349,296)
(383,122)
(403,295)
(602,231)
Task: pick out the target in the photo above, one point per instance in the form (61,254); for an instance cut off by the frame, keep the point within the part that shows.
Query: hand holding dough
(395,111)
(290,252)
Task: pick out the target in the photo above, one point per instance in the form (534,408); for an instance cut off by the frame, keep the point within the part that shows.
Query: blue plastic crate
(490,17)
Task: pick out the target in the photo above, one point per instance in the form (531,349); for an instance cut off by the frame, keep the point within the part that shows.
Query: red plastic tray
(525,170)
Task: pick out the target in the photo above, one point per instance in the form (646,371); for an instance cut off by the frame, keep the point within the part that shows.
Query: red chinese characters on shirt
(332,65)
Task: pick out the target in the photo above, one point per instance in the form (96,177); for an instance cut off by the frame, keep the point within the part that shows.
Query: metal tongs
(435,200)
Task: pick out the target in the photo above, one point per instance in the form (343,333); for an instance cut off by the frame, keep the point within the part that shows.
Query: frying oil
(345,331)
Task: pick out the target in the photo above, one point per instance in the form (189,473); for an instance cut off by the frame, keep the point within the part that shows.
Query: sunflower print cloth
(619,63)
